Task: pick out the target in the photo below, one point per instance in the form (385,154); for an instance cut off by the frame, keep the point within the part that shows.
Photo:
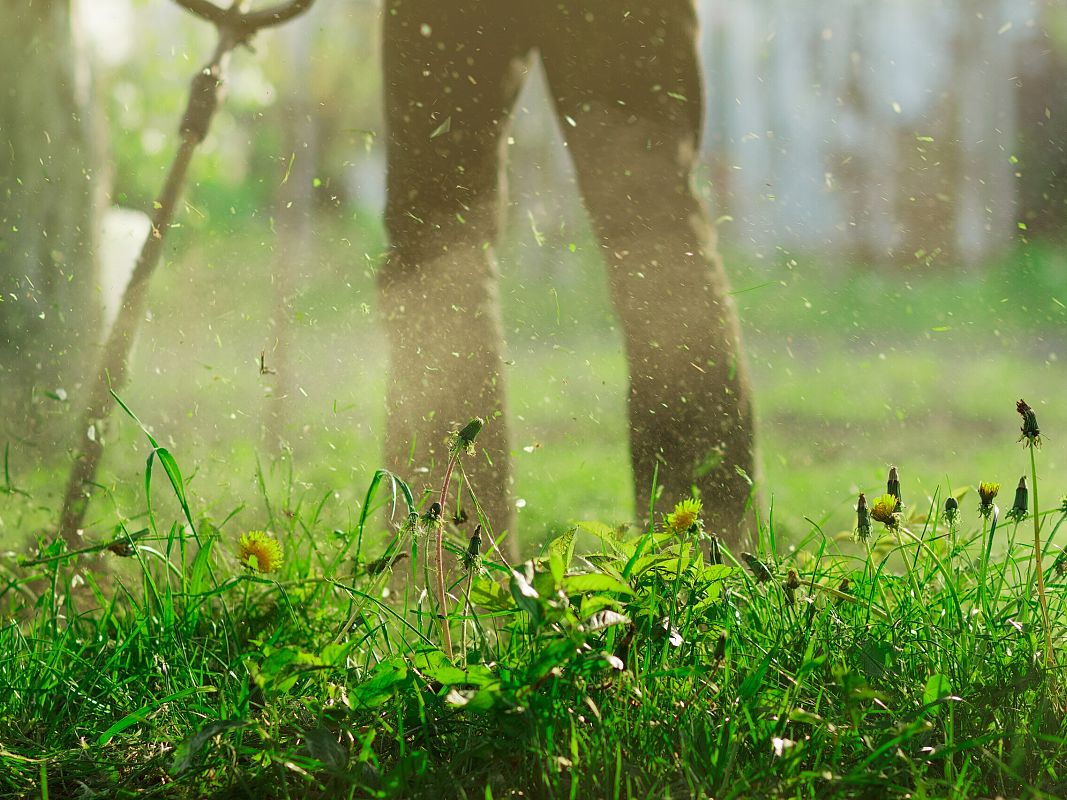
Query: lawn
(619,662)
(854,370)
(189,659)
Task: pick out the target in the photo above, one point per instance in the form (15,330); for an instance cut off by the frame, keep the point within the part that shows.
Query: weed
(156,661)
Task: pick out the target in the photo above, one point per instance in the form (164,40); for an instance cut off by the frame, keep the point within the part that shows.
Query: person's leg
(625,78)
(452,71)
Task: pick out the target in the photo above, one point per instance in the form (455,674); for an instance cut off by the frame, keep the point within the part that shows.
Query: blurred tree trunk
(293,208)
(987,197)
(48,309)
(1043,126)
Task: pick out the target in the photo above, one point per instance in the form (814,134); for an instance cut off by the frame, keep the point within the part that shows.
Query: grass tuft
(646,663)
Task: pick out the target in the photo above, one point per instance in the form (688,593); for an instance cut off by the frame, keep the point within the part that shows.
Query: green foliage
(635,668)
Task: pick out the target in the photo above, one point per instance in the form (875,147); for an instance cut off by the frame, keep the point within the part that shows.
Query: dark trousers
(625,80)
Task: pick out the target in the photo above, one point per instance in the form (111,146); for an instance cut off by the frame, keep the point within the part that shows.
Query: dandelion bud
(952,509)
(760,571)
(986,493)
(790,586)
(1022,501)
(464,439)
(863,519)
(892,487)
(714,551)
(474,550)
(380,565)
(475,545)
(1030,432)
(122,549)
(1060,564)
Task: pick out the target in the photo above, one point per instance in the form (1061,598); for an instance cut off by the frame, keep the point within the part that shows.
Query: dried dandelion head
(472,556)
(863,519)
(259,552)
(122,549)
(1022,501)
(1031,433)
(432,517)
(790,586)
(952,510)
(760,571)
(892,486)
(463,439)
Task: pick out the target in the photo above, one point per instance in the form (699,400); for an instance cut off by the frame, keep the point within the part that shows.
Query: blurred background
(889,179)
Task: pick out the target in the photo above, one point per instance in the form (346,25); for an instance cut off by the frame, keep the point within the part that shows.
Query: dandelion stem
(448,479)
(683,551)
(1037,563)
(487,527)
(442,598)
(467,609)
(987,547)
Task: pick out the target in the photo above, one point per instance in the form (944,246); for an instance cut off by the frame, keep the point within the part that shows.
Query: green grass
(618,663)
(179,673)
(854,370)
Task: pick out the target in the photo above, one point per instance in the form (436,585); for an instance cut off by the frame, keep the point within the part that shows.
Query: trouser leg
(626,73)
(452,72)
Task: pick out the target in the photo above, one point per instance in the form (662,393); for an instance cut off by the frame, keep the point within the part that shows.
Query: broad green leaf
(481,700)
(436,666)
(545,584)
(872,658)
(386,679)
(591,604)
(664,562)
(490,595)
(557,567)
(599,530)
(717,572)
(559,553)
(526,596)
(564,546)
(594,582)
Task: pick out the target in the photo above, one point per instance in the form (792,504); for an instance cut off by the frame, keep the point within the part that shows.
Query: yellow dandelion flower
(883,510)
(259,552)
(686,514)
